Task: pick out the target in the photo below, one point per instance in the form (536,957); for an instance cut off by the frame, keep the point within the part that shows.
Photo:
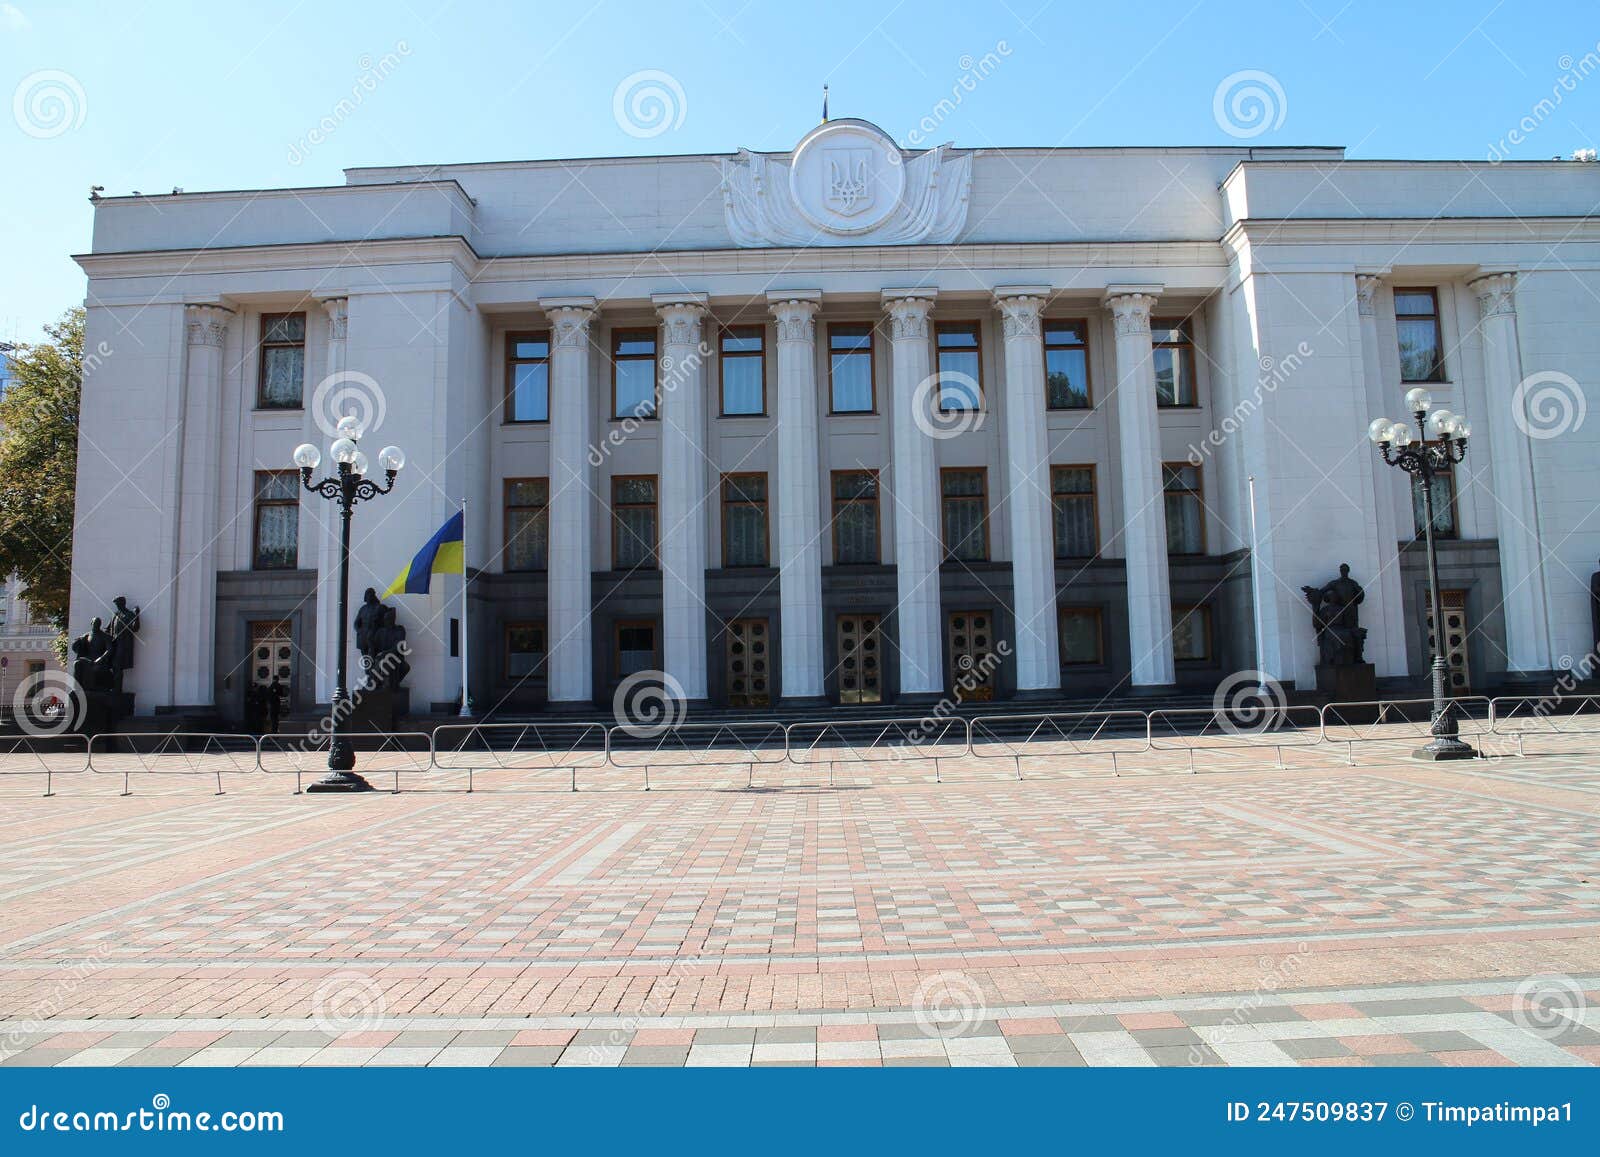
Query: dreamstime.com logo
(949,1004)
(940,423)
(1548,404)
(48,703)
(160,1117)
(348,393)
(648,703)
(348,1001)
(49,103)
(1248,103)
(1549,1006)
(649,103)
(1249,703)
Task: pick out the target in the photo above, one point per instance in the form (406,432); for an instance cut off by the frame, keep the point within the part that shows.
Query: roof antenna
(824,104)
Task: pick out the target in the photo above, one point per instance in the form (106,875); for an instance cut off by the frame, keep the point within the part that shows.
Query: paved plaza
(1315,913)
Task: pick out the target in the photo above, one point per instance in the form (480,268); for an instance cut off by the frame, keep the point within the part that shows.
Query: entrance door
(272,655)
(860,655)
(748,663)
(1458,676)
(972,664)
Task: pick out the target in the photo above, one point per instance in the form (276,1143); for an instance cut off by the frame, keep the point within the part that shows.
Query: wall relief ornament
(1497,293)
(571,325)
(908,317)
(1020,315)
(1366,294)
(207,324)
(1130,313)
(794,320)
(846,183)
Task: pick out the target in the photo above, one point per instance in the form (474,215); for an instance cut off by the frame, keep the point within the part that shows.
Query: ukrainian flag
(443,554)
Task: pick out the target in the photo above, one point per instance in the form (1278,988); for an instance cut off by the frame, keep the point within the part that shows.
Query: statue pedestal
(1348,682)
(378,710)
(104,710)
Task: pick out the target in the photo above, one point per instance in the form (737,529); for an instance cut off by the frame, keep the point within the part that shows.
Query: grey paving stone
(1090,1022)
(1442,1042)
(1267,1014)
(1311,1048)
(1155,1037)
(904,1030)
(1183,1056)
(526,1057)
(415,1038)
(1405,1061)
(656,1055)
(783,1064)
(253,1038)
(304,1038)
(1420,1006)
(480,1037)
(1038,1042)
(601,1036)
(916,1062)
(39,1058)
(131,1040)
(1067,1058)
(805,1034)
(157,1058)
(1568,1034)
(725,1036)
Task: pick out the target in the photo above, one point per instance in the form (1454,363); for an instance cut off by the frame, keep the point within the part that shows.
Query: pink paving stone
(1334,1062)
(1329,1012)
(73,1040)
(365,1040)
(1383,1045)
(1031,1026)
(1503,1002)
(1133,1020)
(846,1032)
(664,1036)
(1590,1053)
(1471,1058)
(550,1038)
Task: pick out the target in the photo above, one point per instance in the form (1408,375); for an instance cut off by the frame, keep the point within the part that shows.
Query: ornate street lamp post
(1426,460)
(347,487)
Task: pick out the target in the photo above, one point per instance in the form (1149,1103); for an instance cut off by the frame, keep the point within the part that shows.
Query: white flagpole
(466,698)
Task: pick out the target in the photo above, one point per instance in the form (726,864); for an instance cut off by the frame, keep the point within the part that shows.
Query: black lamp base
(339,781)
(1443,749)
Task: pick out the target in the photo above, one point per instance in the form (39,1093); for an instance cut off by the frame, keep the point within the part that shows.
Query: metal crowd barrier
(940,741)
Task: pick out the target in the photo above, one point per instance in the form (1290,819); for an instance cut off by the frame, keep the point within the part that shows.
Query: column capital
(1367,286)
(338,311)
(908,311)
(680,321)
(569,319)
(795,316)
(1130,309)
(206,325)
(1020,313)
(1496,293)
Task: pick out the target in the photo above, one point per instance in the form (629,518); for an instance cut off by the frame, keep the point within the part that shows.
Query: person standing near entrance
(274,705)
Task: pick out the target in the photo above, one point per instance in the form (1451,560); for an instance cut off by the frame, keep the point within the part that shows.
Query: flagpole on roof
(466,697)
(824,104)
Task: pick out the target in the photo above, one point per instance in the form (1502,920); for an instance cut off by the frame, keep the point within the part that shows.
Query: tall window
(966,514)
(633,521)
(527,524)
(1082,636)
(855,517)
(1444,505)
(283,361)
(277,545)
(960,370)
(744,520)
(525,650)
(527,377)
(850,368)
(743,380)
(1186,527)
(1173,354)
(633,373)
(1077,524)
(636,648)
(1416,318)
(1066,365)
(1191,633)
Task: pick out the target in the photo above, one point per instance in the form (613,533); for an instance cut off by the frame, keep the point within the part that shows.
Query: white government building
(843,423)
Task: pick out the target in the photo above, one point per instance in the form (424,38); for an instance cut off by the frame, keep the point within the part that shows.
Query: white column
(1144,516)
(683,491)
(798,488)
(570,659)
(1511,467)
(322,517)
(1033,563)
(1386,640)
(194,652)
(914,486)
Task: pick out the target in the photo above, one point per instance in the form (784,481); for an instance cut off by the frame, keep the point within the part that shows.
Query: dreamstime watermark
(321,732)
(49,104)
(1572,73)
(972,74)
(160,1117)
(1249,703)
(1248,103)
(46,704)
(1493,745)
(659,1000)
(348,1001)
(65,981)
(348,394)
(1276,975)
(372,74)
(649,703)
(929,413)
(1548,404)
(1274,373)
(648,103)
(974,673)
(949,1004)
(1549,1006)
(674,373)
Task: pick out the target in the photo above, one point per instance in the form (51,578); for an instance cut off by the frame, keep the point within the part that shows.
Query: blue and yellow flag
(443,554)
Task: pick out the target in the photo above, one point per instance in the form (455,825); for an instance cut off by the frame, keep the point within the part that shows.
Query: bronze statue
(88,654)
(124,626)
(1336,619)
(381,641)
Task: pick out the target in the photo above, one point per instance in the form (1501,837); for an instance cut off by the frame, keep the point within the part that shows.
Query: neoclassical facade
(847,424)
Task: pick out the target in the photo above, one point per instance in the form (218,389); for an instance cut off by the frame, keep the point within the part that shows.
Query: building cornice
(1356,230)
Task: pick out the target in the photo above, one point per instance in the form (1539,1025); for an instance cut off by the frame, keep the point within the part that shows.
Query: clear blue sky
(220,96)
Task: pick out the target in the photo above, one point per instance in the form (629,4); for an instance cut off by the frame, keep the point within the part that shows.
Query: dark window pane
(284,327)
(961,482)
(637,344)
(634,489)
(1415,302)
(1076,535)
(1185,533)
(1080,636)
(278,486)
(965,515)
(527,491)
(1064,333)
(958,337)
(1191,633)
(746,528)
(1419,350)
(283,371)
(277,536)
(1444,507)
(530,392)
(958,381)
(636,389)
(741,385)
(1067,379)
(527,539)
(525,649)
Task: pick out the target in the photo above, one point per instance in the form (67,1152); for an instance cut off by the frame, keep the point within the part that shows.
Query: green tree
(39,466)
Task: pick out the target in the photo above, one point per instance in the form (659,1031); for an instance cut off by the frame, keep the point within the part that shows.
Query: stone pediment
(846,183)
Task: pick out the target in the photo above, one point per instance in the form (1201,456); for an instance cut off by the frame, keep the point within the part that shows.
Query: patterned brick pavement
(1355,915)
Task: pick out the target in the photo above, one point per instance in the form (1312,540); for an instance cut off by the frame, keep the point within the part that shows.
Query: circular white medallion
(847,176)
